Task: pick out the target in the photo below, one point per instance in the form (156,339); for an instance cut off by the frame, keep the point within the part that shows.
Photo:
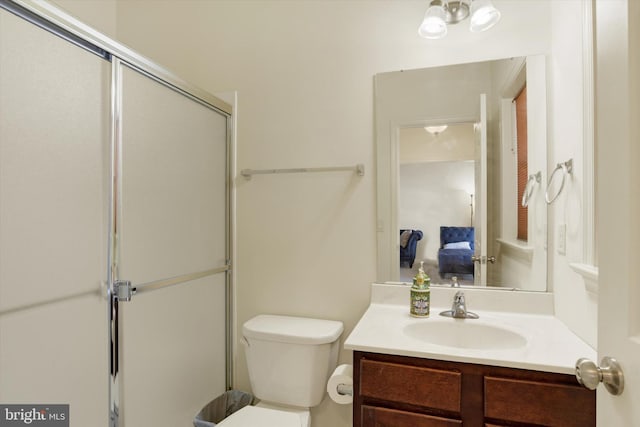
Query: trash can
(221,407)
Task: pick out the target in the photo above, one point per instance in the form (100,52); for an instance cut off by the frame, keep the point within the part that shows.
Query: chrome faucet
(459,308)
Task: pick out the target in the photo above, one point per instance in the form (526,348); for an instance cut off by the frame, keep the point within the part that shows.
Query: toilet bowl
(289,360)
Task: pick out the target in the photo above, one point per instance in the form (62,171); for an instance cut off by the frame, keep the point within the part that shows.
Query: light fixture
(434,23)
(483,15)
(442,12)
(435,130)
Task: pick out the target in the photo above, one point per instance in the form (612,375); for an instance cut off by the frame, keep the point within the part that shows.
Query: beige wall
(98,14)
(417,145)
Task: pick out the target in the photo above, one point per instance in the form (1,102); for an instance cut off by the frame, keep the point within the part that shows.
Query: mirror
(462,160)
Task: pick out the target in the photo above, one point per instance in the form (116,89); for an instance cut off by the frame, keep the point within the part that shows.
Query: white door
(618,203)
(480,198)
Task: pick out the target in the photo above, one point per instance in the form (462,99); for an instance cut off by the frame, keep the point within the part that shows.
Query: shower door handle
(122,290)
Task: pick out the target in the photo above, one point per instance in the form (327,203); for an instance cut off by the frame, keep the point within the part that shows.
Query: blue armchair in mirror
(456,249)
(408,244)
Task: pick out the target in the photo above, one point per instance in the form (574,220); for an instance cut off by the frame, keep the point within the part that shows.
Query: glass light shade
(433,26)
(435,129)
(483,15)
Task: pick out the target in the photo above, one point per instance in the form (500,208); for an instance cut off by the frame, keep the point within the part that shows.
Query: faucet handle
(459,307)
(454,282)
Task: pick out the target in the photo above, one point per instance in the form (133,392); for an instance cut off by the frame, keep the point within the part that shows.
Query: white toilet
(290,360)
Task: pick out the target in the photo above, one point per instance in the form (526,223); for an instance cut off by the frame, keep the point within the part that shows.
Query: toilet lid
(253,416)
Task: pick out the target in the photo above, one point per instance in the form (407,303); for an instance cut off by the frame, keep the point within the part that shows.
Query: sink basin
(465,334)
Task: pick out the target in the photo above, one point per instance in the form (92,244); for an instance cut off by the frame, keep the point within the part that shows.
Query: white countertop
(550,346)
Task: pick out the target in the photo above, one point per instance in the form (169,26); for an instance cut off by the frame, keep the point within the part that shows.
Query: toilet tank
(290,359)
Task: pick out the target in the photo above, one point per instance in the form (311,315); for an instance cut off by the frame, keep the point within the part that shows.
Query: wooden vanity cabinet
(400,391)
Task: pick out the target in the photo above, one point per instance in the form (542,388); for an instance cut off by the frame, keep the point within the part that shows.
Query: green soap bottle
(420,294)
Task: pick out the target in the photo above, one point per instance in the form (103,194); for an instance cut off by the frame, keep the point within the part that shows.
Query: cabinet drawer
(373,416)
(538,402)
(427,387)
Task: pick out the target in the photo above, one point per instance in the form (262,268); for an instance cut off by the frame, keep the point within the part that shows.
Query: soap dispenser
(420,294)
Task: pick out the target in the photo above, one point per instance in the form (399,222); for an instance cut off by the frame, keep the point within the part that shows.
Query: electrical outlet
(562,239)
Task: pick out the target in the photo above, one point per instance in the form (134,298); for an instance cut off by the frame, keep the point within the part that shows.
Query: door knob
(483,259)
(609,373)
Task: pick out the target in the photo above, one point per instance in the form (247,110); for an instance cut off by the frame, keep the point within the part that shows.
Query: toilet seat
(255,416)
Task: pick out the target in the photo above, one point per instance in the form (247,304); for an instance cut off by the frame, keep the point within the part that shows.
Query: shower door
(114,229)
(169,235)
(54,111)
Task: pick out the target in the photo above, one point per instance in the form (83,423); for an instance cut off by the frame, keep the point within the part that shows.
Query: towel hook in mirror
(528,189)
(567,169)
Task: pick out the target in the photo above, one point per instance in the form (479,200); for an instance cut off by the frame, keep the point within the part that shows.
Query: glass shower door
(88,204)
(171,222)
(54,110)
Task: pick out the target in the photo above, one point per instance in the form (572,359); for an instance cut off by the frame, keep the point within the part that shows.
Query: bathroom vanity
(507,368)
(402,391)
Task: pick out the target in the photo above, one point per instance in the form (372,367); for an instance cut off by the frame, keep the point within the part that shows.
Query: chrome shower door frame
(119,289)
(54,20)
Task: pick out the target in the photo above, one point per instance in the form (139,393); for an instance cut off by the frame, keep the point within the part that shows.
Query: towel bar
(567,169)
(247,173)
(528,189)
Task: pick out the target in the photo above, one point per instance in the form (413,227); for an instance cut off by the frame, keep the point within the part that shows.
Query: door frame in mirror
(388,242)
